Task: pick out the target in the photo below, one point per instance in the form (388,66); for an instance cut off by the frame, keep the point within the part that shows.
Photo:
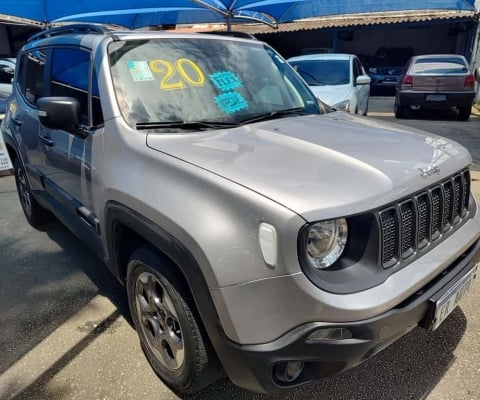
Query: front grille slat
(437,207)
(423,220)
(448,195)
(390,234)
(458,198)
(466,192)
(408,224)
(424,217)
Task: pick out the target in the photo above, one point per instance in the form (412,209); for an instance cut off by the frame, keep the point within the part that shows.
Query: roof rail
(71,28)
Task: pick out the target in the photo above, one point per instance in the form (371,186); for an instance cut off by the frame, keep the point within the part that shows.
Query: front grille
(422,219)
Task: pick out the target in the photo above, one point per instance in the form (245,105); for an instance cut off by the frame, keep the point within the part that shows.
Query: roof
(357,20)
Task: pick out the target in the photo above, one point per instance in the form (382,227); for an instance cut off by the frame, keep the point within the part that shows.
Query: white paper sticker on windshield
(140,71)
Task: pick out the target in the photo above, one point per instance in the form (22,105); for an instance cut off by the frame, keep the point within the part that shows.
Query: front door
(68,154)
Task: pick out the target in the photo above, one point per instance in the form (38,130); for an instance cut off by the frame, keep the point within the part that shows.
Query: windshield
(437,65)
(204,80)
(323,72)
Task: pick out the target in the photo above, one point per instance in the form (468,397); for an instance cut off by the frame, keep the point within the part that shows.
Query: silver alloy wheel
(159,321)
(24,191)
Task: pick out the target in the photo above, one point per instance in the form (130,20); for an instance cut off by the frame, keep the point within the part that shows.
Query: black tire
(166,324)
(365,112)
(399,111)
(464,113)
(35,214)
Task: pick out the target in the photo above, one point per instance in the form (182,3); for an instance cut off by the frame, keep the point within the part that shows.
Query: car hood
(332,94)
(321,166)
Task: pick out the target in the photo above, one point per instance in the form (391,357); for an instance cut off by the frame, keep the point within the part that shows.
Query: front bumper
(252,366)
(452,99)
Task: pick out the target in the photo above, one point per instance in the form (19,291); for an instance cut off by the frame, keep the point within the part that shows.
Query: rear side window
(444,65)
(31,76)
(357,69)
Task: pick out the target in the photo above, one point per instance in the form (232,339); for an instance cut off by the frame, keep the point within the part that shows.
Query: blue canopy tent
(316,8)
(140,13)
(134,14)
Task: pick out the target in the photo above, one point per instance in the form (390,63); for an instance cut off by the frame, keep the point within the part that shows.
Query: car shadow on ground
(43,286)
(92,267)
(433,115)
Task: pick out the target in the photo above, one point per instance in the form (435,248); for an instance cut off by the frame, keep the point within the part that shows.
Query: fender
(116,214)
(228,353)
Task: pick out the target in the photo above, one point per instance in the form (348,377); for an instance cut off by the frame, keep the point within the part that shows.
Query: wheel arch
(12,150)
(12,153)
(126,230)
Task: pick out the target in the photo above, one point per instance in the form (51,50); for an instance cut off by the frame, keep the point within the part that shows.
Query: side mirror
(476,73)
(59,113)
(363,80)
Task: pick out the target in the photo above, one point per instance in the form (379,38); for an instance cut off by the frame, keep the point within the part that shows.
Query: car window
(323,72)
(70,75)
(444,65)
(6,73)
(203,80)
(392,56)
(31,76)
(357,68)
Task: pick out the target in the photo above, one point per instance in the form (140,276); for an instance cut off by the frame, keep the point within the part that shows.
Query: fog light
(329,334)
(288,371)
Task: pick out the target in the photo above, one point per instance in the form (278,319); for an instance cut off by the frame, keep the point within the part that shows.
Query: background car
(7,70)
(436,82)
(339,80)
(386,66)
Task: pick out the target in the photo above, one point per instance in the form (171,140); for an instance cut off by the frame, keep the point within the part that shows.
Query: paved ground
(467,132)
(65,332)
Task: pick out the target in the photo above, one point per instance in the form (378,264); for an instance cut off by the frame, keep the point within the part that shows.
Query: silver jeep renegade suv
(257,232)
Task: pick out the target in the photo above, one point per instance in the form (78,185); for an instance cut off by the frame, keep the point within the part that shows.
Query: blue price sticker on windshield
(225,80)
(231,102)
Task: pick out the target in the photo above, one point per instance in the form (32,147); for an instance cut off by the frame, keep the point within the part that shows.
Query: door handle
(47,141)
(17,121)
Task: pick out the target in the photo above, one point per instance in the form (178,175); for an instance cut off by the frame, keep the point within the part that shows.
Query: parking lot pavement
(65,331)
(443,123)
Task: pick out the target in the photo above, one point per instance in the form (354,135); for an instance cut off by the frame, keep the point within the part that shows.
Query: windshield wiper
(185,125)
(273,115)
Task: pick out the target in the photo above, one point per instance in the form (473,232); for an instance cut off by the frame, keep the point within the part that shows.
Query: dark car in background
(387,64)
(439,82)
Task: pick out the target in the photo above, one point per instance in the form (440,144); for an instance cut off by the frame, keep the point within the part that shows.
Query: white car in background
(7,70)
(337,79)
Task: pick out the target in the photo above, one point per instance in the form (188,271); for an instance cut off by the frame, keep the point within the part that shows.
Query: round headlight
(326,241)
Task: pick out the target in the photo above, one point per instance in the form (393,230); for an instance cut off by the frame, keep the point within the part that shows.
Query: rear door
(24,123)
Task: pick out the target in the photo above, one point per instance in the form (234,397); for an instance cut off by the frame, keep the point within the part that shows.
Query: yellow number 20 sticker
(177,76)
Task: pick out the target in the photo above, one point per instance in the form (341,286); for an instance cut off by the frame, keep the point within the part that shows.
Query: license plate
(447,303)
(436,97)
